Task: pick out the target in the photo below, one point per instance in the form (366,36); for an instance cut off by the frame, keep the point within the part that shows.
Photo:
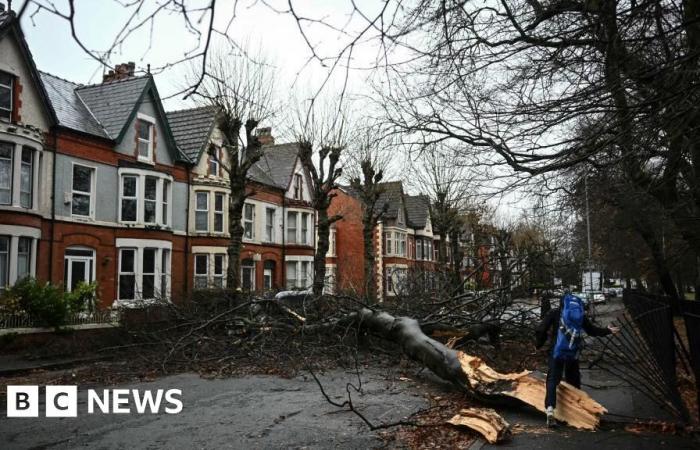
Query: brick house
(404,242)
(278,220)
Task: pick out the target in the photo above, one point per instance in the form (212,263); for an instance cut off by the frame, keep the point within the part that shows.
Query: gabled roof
(417,210)
(191,129)
(392,195)
(276,165)
(10,24)
(113,103)
(70,108)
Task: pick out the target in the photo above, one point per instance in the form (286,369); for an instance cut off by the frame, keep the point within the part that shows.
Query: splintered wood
(485,421)
(574,406)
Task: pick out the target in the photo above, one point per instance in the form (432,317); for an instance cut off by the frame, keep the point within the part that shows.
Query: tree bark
(472,376)
(324,228)
(368,226)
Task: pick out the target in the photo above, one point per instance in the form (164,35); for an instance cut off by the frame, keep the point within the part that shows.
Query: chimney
(265,136)
(120,72)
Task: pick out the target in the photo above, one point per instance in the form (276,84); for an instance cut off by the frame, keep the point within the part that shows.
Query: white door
(79,267)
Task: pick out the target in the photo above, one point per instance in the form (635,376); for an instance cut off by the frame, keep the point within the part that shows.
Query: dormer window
(6,81)
(297,186)
(145,139)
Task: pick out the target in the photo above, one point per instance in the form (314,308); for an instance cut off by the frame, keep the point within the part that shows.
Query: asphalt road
(250,412)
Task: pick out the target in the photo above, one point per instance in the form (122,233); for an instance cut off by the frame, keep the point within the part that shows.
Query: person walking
(565,325)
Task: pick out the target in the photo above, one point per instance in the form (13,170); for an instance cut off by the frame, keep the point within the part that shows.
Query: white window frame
(252,273)
(219,212)
(298,188)
(23,164)
(123,197)
(249,221)
(205,211)
(332,236)
(91,194)
(270,224)
(166,201)
(11,146)
(304,232)
(139,245)
(218,275)
(133,273)
(200,275)
(10,88)
(17,144)
(68,266)
(154,201)
(14,233)
(294,214)
(214,160)
(152,122)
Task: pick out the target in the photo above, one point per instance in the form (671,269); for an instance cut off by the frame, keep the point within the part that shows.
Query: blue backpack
(569,339)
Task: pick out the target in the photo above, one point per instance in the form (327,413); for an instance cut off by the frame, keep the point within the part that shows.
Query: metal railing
(24,320)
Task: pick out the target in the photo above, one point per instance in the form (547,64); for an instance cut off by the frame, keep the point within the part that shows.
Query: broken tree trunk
(471,375)
(484,421)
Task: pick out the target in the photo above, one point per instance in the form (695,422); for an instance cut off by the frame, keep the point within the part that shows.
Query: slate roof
(191,129)
(276,165)
(112,103)
(393,191)
(70,108)
(417,210)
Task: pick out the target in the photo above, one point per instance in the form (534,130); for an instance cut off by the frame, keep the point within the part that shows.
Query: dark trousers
(557,368)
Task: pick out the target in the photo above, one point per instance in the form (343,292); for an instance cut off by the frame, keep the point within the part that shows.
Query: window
(389,282)
(201,212)
(127,274)
(387,243)
(218,275)
(270,224)
(248,275)
(79,267)
(331,242)
(329,281)
(164,202)
(26,176)
(150,199)
(305,228)
(144,272)
(6,152)
(4,261)
(248,218)
(291,274)
(298,190)
(6,81)
(218,212)
(401,243)
(291,227)
(419,248)
(268,275)
(144,138)
(130,200)
(148,273)
(145,198)
(305,280)
(214,164)
(201,271)
(81,203)
(24,257)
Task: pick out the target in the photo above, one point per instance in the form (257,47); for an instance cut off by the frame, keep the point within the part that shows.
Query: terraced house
(99,184)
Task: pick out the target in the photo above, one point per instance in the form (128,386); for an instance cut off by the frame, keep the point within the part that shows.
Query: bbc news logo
(62,401)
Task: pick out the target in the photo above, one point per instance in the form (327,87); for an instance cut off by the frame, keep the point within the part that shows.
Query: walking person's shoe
(551,421)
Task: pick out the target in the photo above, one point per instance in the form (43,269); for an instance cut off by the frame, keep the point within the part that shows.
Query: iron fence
(24,320)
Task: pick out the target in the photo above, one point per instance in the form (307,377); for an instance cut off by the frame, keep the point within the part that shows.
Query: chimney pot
(120,72)
(265,136)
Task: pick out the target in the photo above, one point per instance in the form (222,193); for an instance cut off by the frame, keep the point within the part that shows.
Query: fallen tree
(472,376)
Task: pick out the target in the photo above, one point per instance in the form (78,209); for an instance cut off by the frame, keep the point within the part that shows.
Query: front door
(79,267)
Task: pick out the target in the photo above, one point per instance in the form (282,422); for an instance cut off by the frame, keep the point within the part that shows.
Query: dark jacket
(550,325)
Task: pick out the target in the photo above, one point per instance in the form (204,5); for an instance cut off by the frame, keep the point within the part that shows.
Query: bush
(47,305)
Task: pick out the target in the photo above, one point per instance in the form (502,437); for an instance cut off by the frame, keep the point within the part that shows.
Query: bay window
(201,211)
(143,269)
(304,228)
(209,270)
(299,227)
(145,197)
(4,261)
(299,274)
(19,173)
(18,251)
(218,273)
(82,191)
(24,257)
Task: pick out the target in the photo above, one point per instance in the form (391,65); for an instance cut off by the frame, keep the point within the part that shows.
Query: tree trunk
(368,237)
(235,228)
(472,376)
(323,231)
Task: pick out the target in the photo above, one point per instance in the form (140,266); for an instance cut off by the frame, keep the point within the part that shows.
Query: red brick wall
(349,240)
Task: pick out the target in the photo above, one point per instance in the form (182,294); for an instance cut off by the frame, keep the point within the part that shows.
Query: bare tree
(322,135)
(366,164)
(241,89)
